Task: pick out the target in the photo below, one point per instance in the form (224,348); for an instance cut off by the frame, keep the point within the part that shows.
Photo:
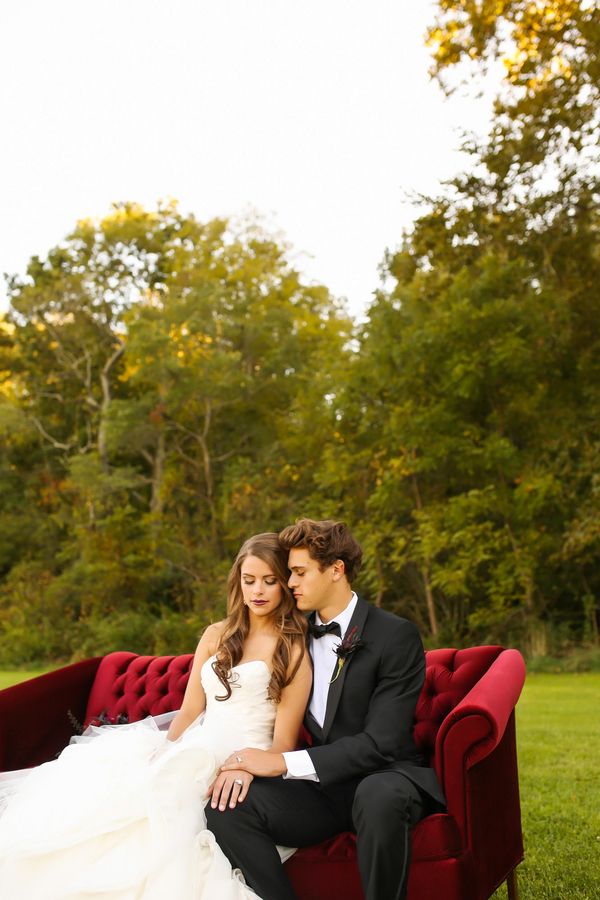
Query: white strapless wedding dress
(120,814)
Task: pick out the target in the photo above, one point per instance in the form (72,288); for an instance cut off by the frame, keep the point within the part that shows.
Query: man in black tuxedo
(363,772)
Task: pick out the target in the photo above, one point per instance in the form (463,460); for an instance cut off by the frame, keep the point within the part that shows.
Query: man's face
(310,586)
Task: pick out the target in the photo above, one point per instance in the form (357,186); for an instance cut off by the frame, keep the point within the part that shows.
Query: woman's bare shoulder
(300,650)
(211,637)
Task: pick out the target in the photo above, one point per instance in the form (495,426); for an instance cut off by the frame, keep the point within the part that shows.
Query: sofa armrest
(491,701)
(34,715)
(474,729)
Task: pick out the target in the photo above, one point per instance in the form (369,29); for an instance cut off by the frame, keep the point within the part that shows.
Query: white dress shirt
(298,762)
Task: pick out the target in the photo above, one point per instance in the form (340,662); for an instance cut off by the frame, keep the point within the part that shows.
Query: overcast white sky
(319,114)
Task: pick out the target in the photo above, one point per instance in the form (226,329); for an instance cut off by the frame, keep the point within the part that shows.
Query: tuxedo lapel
(310,723)
(357,621)
(313,727)
(311,621)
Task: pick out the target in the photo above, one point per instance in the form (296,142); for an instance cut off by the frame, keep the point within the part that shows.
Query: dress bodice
(247,717)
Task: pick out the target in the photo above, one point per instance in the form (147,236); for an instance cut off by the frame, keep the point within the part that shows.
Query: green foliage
(547,114)
(159,377)
(582,659)
(140,632)
(470,416)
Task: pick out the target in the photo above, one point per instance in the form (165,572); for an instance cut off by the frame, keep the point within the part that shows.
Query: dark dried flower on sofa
(105,719)
(75,723)
(102,719)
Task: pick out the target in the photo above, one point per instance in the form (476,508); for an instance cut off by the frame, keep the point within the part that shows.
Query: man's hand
(263,763)
(229,787)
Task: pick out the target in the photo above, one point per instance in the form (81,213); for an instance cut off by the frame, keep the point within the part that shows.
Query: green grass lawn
(9,678)
(558,734)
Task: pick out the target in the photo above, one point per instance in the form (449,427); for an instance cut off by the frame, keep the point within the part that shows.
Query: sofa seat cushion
(434,838)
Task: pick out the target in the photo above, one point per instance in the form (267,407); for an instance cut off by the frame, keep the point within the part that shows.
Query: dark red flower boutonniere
(351,642)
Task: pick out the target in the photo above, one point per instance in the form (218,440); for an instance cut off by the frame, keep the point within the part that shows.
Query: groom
(363,772)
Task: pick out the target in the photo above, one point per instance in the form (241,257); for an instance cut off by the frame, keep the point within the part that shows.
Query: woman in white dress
(120,814)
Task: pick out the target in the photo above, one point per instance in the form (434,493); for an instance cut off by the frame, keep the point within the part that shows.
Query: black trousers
(381,808)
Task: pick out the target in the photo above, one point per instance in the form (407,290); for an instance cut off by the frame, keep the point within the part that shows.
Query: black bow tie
(318,631)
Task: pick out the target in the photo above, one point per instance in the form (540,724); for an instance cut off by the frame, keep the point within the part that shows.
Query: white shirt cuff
(299,765)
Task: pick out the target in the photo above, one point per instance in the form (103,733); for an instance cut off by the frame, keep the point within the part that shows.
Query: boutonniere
(351,642)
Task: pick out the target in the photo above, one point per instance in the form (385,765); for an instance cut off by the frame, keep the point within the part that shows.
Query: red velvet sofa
(464,722)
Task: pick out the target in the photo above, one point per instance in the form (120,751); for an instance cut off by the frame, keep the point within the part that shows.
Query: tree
(474,398)
(164,371)
(547,113)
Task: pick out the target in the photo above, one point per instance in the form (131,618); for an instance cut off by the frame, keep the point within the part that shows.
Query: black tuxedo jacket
(370,710)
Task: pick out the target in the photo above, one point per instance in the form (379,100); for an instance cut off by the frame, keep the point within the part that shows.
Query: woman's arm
(194,700)
(290,712)
(292,706)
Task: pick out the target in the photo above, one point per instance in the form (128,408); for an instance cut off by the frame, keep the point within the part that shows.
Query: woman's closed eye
(268,581)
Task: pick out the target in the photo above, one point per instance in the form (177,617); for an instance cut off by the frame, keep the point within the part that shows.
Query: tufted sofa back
(139,686)
(449,676)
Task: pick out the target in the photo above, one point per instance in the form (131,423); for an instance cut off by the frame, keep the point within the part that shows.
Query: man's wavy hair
(325,541)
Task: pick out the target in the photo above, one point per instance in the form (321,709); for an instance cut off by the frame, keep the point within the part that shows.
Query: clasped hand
(263,763)
(229,787)
(237,773)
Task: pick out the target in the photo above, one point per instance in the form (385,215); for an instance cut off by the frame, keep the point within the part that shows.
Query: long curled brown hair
(290,623)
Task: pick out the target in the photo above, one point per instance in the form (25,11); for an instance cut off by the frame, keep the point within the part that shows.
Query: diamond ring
(239,781)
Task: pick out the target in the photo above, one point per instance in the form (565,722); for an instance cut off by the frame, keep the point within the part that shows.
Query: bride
(120,814)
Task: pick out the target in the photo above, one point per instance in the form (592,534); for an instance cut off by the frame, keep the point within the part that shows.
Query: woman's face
(261,590)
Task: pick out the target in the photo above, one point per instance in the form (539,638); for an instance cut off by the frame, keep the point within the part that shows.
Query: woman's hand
(263,763)
(229,787)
